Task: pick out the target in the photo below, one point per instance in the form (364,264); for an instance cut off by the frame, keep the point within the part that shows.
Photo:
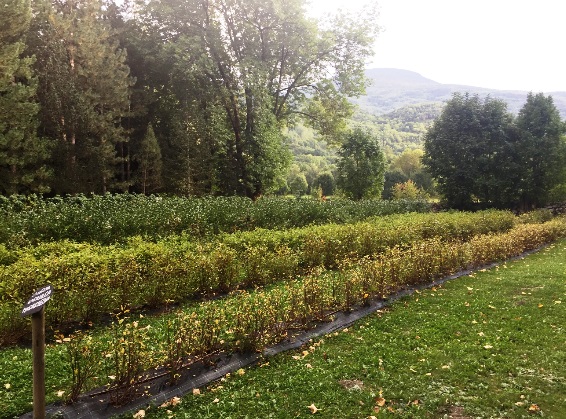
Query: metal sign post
(34,306)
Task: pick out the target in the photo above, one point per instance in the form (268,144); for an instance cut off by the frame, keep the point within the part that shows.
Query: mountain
(392,89)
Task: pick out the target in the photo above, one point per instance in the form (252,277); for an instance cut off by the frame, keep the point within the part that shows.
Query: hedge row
(249,321)
(93,280)
(110,219)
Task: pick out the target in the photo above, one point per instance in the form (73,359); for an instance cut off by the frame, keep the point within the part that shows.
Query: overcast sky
(500,44)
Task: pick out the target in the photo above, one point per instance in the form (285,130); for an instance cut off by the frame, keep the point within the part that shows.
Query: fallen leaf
(60,393)
(540,305)
(196,392)
(519,404)
(309,366)
(175,401)
(534,408)
(7,386)
(216,400)
(380,401)
(139,414)
(467,304)
(558,302)
(241,371)
(313,408)
(488,346)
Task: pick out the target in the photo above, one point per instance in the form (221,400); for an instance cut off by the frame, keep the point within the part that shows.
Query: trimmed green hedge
(249,321)
(110,219)
(93,280)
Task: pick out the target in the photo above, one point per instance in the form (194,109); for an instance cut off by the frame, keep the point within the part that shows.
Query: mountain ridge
(393,88)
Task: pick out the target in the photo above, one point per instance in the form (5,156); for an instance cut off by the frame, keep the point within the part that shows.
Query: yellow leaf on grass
(7,386)
(488,346)
(241,371)
(534,408)
(60,393)
(196,392)
(313,408)
(139,414)
(380,401)
(540,305)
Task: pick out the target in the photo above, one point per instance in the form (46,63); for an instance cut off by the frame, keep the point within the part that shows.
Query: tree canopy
(217,80)
(361,166)
(480,155)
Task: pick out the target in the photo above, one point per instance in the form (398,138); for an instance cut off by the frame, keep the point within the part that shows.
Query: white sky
(500,44)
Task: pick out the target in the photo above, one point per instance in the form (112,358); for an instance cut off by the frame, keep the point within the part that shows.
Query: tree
(298,184)
(407,190)
(326,182)
(22,153)
(541,151)
(150,164)
(264,63)
(469,151)
(84,93)
(361,166)
(409,162)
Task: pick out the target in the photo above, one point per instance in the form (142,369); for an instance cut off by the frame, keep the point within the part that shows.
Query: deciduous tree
(361,167)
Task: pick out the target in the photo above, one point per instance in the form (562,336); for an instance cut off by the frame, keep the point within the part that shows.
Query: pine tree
(22,153)
(150,164)
(84,92)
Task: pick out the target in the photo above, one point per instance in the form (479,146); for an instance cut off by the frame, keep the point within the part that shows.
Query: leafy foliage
(247,321)
(361,166)
(114,218)
(480,155)
(91,280)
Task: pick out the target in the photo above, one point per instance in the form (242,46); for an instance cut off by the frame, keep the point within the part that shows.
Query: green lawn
(488,345)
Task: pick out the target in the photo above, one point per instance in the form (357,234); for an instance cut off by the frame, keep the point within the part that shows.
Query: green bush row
(93,280)
(113,218)
(249,321)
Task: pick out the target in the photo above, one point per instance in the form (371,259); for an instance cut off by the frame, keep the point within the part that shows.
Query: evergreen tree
(84,93)
(150,164)
(22,153)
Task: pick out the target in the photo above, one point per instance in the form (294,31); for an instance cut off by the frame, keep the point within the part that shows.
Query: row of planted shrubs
(113,218)
(93,280)
(249,321)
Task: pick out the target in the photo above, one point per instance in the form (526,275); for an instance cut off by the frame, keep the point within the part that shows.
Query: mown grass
(488,345)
